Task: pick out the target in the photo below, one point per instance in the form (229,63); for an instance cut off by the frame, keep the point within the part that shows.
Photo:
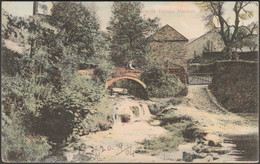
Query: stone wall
(201,68)
(170,53)
(235,85)
(250,55)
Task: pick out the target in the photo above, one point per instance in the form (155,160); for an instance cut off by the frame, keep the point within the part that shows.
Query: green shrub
(23,94)
(18,145)
(161,84)
(103,116)
(19,109)
(163,143)
(63,112)
(43,100)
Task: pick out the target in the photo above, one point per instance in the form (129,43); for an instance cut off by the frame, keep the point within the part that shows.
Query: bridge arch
(110,82)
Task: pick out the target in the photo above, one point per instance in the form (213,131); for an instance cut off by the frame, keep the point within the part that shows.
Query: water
(246,147)
(135,109)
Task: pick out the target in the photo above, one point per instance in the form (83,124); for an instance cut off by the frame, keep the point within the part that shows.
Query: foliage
(19,103)
(245,39)
(102,57)
(236,79)
(22,94)
(182,129)
(161,84)
(127,31)
(77,25)
(43,97)
(231,33)
(181,124)
(60,114)
(17,145)
(10,61)
(163,143)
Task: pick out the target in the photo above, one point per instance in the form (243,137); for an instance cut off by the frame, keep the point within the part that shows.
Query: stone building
(169,48)
(208,42)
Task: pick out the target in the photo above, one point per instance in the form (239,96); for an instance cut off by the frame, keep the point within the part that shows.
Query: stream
(246,145)
(120,143)
(130,127)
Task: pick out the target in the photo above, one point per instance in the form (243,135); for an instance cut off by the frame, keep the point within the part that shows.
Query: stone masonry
(169,47)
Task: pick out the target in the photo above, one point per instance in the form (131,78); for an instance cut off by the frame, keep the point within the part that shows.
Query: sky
(185,17)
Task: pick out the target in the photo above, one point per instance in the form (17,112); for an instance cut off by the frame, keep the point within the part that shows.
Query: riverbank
(219,125)
(123,143)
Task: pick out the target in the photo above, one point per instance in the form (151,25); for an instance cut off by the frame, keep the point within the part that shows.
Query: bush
(43,101)
(19,146)
(101,120)
(235,85)
(63,112)
(161,84)
(19,107)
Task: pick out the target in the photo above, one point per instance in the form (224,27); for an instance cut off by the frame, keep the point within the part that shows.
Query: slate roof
(167,33)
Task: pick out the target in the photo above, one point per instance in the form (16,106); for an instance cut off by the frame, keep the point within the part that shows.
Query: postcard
(130,81)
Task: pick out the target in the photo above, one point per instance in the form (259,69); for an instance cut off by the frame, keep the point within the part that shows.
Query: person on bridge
(130,65)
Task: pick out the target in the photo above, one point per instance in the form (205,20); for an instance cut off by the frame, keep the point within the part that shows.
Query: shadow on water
(133,88)
(246,147)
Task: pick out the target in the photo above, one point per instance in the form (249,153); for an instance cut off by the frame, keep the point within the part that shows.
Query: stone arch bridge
(121,74)
(134,75)
(117,75)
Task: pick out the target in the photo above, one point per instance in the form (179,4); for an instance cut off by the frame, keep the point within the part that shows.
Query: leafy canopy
(128,31)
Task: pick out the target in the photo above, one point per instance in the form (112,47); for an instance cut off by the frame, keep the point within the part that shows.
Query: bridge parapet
(120,72)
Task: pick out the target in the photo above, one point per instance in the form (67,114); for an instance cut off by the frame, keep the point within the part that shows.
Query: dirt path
(119,143)
(217,122)
(202,106)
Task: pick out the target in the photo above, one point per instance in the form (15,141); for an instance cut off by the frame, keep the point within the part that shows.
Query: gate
(200,78)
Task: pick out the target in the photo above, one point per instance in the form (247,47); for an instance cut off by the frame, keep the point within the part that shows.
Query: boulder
(104,126)
(189,156)
(210,149)
(198,147)
(208,158)
(155,123)
(215,156)
(125,117)
(213,140)
(211,143)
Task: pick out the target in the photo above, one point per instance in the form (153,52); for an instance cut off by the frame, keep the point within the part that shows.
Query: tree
(78,26)
(214,10)
(249,42)
(128,31)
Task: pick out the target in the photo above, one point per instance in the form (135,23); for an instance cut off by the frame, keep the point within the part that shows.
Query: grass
(181,129)
(163,143)
(162,103)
